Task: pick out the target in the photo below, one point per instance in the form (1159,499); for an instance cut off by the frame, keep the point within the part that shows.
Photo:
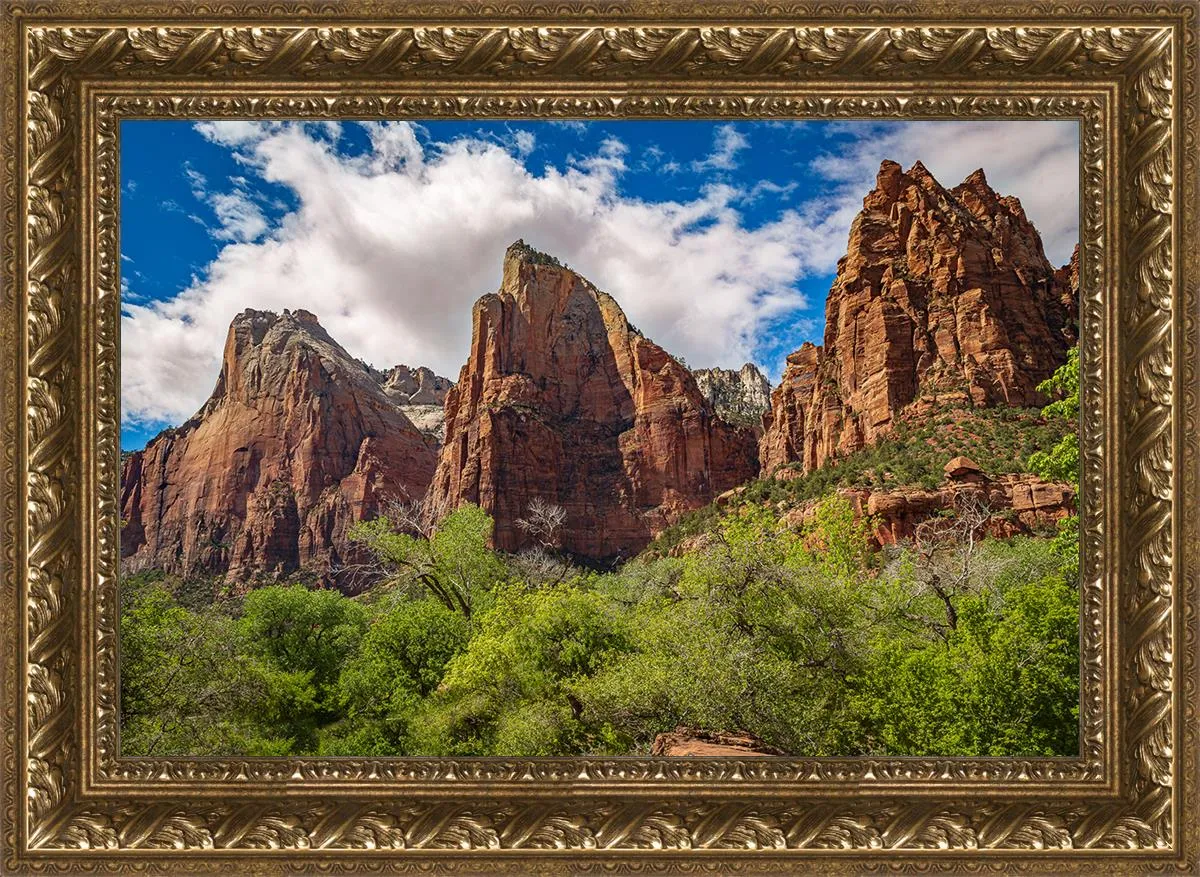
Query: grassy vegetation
(813,641)
(999,440)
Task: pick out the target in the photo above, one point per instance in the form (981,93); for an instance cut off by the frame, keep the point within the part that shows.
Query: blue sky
(719,240)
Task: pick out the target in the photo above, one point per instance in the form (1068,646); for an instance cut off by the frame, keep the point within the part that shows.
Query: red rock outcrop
(944,298)
(698,743)
(296,444)
(1009,505)
(563,400)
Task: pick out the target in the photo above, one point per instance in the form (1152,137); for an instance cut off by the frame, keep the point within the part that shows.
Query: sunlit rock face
(944,298)
(298,442)
(421,395)
(740,396)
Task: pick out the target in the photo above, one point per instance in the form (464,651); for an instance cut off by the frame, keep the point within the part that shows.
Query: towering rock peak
(739,396)
(977,179)
(943,297)
(519,252)
(264,350)
(297,443)
(562,400)
(917,172)
(543,288)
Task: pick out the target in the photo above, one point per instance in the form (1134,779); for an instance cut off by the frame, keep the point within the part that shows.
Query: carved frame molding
(1127,72)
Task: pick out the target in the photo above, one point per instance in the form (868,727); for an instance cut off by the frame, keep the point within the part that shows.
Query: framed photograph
(529,438)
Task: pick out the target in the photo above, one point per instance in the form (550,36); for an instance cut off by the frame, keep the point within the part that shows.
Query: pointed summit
(562,400)
(976,179)
(888,180)
(977,196)
(519,251)
(296,444)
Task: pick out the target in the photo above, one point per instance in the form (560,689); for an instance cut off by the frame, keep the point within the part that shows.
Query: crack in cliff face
(944,297)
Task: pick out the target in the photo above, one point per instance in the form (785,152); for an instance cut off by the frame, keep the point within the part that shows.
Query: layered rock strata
(944,298)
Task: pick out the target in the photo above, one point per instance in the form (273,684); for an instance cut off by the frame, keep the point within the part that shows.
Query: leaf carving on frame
(369,51)
(659,50)
(358,827)
(1024,826)
(270,50)
(465,50)
(544,827)
(735,826)
(261,827)
(557,50)
(1037,49)
(639,826)
(451,826)
(751,51)
(946,50)
(840,48)
(176,50)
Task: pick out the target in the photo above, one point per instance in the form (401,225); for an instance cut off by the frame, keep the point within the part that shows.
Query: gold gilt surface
(71,71)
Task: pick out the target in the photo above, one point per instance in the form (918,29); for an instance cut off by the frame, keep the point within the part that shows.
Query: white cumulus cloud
(391,248)
(727,143)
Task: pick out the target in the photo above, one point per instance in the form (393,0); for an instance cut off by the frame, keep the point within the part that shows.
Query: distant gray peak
(416,386)
(739,396)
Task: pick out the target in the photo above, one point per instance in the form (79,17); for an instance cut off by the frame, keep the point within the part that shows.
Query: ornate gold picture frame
(1127,73)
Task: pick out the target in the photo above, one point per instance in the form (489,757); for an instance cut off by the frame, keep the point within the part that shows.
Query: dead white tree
(543,521)
(544,563)
(947,547)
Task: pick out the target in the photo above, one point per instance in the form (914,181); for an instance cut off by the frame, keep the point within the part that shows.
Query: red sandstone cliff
(1007,506)
(562,399)
(297,443)
(944,298)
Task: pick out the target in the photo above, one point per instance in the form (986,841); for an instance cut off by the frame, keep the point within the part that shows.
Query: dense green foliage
(811,640)
(1061,462)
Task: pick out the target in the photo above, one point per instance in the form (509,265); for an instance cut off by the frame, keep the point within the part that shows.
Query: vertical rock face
(741,396)
(562,399)
(944,297)
(296,444)
(421,395)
